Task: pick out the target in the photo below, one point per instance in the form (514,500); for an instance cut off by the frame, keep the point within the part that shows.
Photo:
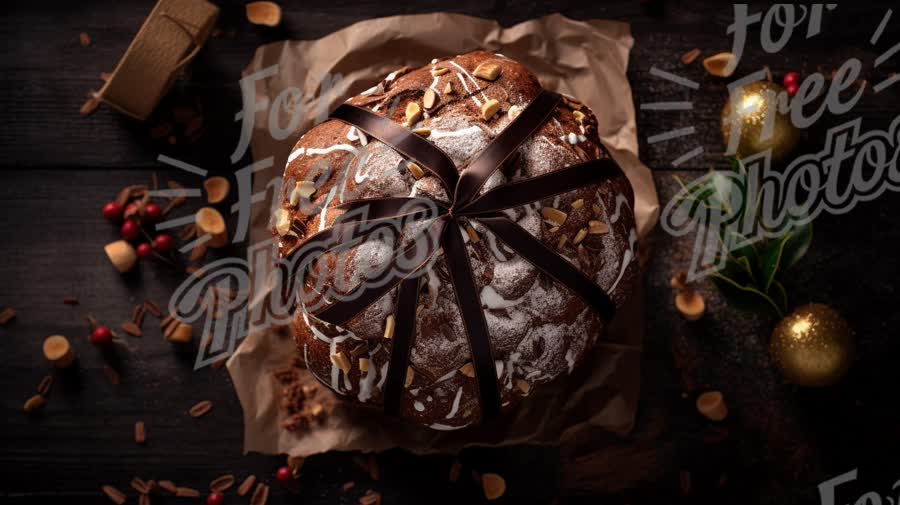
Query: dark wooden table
(780,442)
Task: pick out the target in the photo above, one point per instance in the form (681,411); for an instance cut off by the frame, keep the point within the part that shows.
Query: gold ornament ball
(747,113)
(813,346)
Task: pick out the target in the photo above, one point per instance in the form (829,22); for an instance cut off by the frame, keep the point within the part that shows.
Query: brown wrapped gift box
(587,60)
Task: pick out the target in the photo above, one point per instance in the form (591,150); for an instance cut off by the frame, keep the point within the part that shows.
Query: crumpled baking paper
(585,59)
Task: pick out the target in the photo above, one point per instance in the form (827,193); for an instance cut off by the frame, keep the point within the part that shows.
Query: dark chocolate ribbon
(445,232)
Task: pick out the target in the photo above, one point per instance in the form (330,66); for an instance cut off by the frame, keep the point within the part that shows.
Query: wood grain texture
(56,170)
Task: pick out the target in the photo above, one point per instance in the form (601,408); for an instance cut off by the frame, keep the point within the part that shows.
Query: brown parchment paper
(586,59)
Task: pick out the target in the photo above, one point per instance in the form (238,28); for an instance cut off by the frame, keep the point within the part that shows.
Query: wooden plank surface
(56,169)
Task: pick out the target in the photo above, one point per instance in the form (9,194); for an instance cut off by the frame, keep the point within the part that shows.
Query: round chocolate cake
(539,329)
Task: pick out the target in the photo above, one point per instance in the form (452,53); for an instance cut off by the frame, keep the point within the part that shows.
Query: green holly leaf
(745,296)
(779,295)
(770,260)
(797,245)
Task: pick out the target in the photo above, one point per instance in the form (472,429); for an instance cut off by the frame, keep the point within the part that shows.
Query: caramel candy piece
(58,351)
(121,254)
(712,405)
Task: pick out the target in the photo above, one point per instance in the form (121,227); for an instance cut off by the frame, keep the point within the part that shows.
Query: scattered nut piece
(489,108)
(389,324)
(577,204)
(473,235)
(455,470)
(217,189)
(439,71)
(523,386)
(121,254)
(364,365)
(712,405)
(84,39)
(341,361)
(468,370)
(167,485)
(597,210)
(264,13)
(679,281)
(347,486)
(597,227)
(260,495)
(90,105)
(114,494)
(221,484)
(140,433)
(111,375)
(720,65)
(410,375)
(690,56)
(131,329)
(562,241)
(303,190)
(187,492)
(415,170)
(58,351)
(579,116)
(210,221)
(690,304)
(430,99)
(139,485)
(282,222)
(201,408)
(448,89)
(181,333)
(7,315)
(487,71)
(555,216)
(580,236)
(370,498)
(494,486)
(34,403)
(514,112)
(413,113)
(44,386)
(70,300)
(245,486)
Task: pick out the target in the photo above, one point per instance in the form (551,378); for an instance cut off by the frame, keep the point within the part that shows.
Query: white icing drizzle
(620,199)
(468,91)
(434,85)
(499,366)
(296,154)
(444,427)
(474,82)
(336,147)
(366,383)
(455,408)
(325,207)
(369,91)
(383,375)
(390,77)
(627,258)
(446,377)
(570,360)
(492,300)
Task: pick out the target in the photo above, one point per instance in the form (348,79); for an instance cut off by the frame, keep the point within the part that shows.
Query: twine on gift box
(157,55)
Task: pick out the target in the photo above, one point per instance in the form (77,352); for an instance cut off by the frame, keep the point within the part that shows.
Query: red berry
(152,212)
(130,230)
(144,250)
(215,499)
(791,78)
(792,89)
(113,212)
(163,242)
(284,475)
(101,335)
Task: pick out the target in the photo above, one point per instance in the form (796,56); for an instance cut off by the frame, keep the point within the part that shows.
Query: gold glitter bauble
(747,112)
(813,346)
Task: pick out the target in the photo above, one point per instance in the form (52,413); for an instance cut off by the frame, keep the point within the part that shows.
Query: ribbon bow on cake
(441,229)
